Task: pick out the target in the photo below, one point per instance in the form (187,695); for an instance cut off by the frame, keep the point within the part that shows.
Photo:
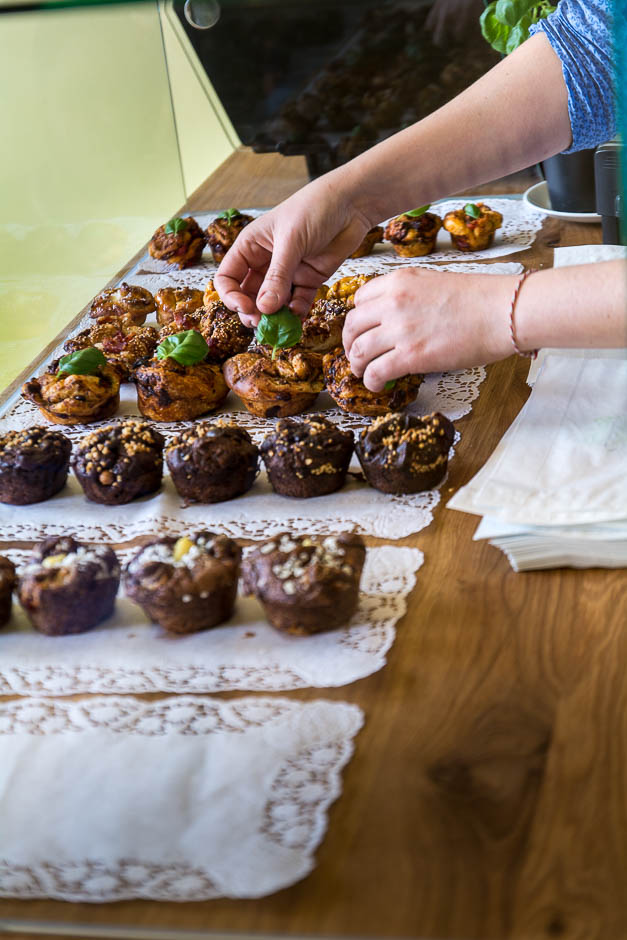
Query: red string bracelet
(521,352)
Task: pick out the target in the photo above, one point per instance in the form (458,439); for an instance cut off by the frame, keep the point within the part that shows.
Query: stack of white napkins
(554,492)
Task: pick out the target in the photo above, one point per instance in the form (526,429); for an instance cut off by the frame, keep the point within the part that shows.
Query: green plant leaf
(281,330)
(414,213)
(389,385)
(82,362)
(472,210)
(510,12)
(186,348)
(229,215)
(493,31)
(516,38)
(174,226)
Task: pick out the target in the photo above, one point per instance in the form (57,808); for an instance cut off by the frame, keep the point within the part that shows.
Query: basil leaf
(492,30)
(229,215)
(186,348)
(472,210)
(281,330)
(82,362)
(414,213)
(516,38)
(510,12)
(389,385)
(174,226)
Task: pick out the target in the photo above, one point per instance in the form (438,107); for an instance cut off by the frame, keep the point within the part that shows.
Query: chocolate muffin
(179,241)
(7,583)
(33,465)
(185,584)
(68,587)
(212,462)
(404,453)
(307,458)
(75,398)
(119,462)
(352,396)
(413,236)
(306,584)
(222,232)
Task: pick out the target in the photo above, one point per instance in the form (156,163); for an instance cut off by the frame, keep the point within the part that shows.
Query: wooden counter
(487,797)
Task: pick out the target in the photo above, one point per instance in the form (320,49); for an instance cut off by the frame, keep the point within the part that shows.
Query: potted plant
(569,176)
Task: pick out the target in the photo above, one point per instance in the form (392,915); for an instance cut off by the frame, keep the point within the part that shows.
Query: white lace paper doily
(126,653)
(185,799)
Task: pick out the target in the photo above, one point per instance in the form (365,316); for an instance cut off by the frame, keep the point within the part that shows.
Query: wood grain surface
(487,797)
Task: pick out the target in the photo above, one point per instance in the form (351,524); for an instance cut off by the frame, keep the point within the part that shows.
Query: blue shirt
(580,33)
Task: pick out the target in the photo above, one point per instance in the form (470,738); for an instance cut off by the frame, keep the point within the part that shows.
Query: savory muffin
(179,241)
(404,453)
(119,462)
(224,332)
(323,325)
(68,587)
(68,398)
(210,293)
(185,584)
(371,238)
(183,320)
(307,458)
(33,465)
(275,388)
(472,228)
(222,232)
(413,236)
(173,301)
(306,584)
(125,302)
(212,462)
(351,394)
(346,288)
(170,391)
(8,581)
(122,343)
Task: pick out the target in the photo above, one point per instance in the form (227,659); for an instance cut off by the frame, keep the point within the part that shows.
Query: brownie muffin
(179,241)
(33,465)
(405,454)
(169,391)
(119,462)
(306,584)
(307,458)
(7,583)
(68,587)
(352,396)
(185,584)
(75,399)
(212,462)
(222,232)
(413,236)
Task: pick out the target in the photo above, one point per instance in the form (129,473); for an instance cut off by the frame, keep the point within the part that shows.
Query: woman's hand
(419,320)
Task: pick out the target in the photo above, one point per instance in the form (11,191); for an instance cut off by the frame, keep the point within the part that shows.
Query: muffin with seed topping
(7,583)
(307,458)
(212,462)
(185,584)
(306,584)
(68,587)
(119,462)
(404,453)
(33,465)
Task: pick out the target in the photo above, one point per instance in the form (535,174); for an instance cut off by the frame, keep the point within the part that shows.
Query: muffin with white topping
(119,462)
(306,584)
(185,584)
(402,453)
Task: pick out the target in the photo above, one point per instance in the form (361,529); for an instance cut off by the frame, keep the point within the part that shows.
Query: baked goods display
(122,343)
(185,584)
(212,462)
(346,287)
(170,391)
(275,387)
(323,325)
(124,302)
(179,241)
(174,302)
(472,228)
(33,465)
(308,457)
(402,453)
(222,232)
(8,581)
(306,584)
(224,332)
(68,587)
(371,238)
(67,397)
(351,394)
(119,462)
(413,234)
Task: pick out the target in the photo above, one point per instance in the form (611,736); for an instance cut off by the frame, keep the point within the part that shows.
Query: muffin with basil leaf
(178,384)
(222,232)
(122,343)
(472,228)
(79,388)
(414,233)
(179,241)
(34,465)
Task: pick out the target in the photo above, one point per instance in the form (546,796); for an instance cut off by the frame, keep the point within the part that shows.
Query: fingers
(276,288)
(381,370)
(233,272)
(367,347)
(358,321)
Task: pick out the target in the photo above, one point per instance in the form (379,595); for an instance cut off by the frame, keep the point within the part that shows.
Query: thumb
(276,288)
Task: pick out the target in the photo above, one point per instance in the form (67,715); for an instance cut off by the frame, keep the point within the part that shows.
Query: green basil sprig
(472,210)
(229,215)
(82,362)
(281,330)
(187,348)
(505,23)
(414,213)
(176,225)
(389,385)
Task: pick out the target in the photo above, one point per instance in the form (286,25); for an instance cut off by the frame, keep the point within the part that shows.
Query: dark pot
(570,178)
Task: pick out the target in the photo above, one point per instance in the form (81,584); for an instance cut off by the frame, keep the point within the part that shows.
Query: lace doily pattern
(269,767)
(127,654)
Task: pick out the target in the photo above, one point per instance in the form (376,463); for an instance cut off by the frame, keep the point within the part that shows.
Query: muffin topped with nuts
(224,332)
(122,344)
(323,325)
(33,464)
(8,581)
(308,457)
(212,462)
(404,453)
(185,584)
(306,584)
(119,462)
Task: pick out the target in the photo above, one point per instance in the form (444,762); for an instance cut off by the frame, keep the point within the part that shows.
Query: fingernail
(270,297)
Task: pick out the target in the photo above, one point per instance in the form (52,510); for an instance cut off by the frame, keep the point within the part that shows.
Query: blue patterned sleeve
(580,33)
